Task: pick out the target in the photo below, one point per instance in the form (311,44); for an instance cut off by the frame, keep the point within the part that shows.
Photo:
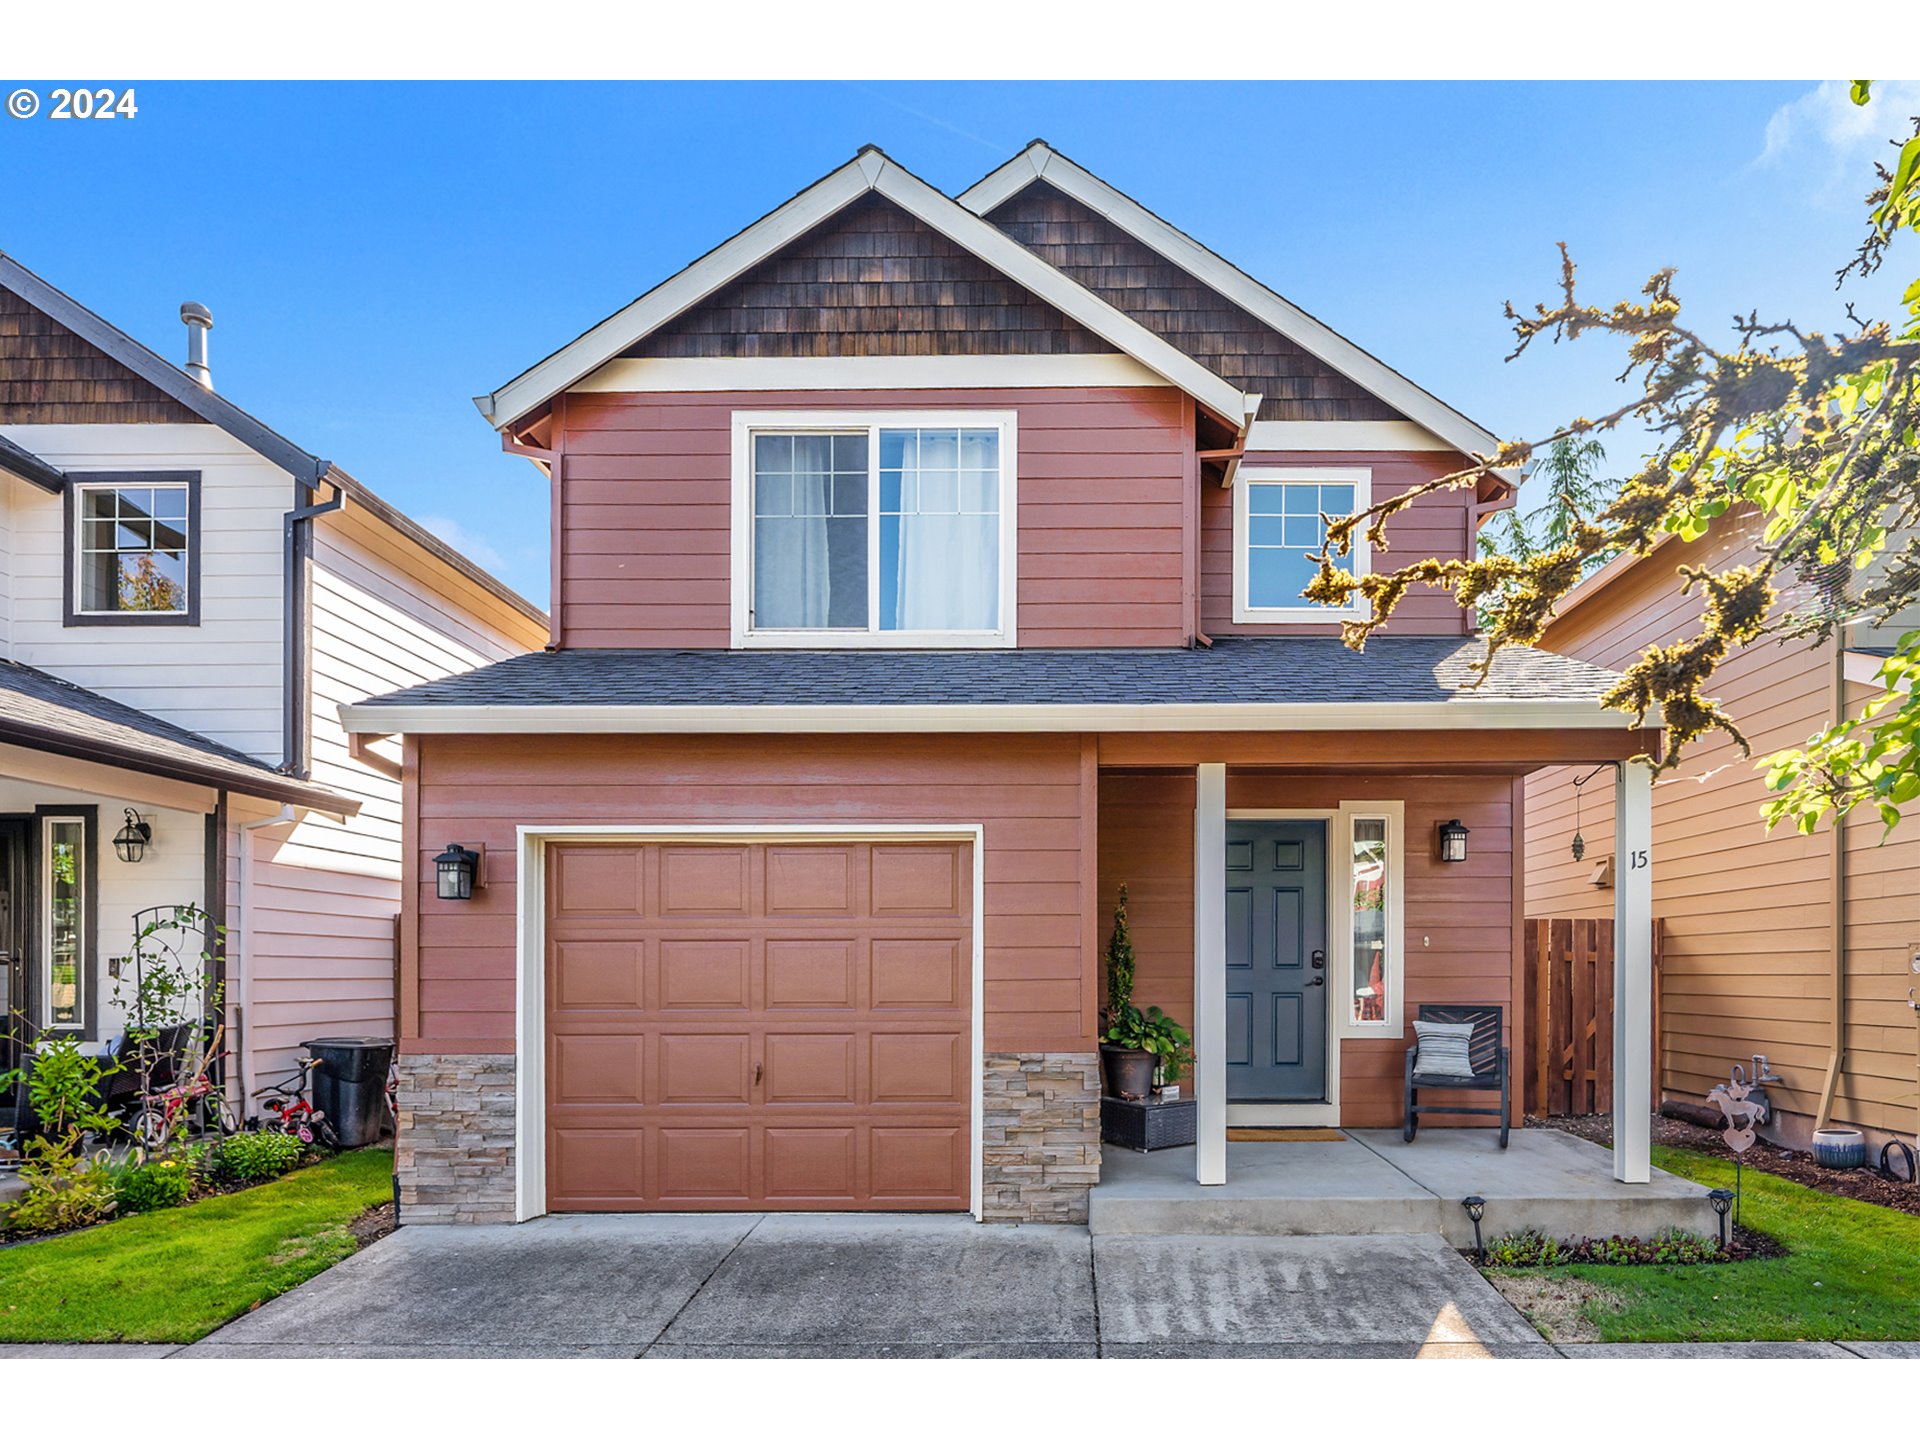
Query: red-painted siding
(1459,918)
(1434,526)
(648,480)
(1030,793)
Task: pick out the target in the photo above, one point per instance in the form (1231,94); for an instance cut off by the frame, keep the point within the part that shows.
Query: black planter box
(1147,1124)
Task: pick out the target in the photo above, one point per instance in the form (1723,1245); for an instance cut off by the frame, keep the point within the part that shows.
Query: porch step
(1372,1183)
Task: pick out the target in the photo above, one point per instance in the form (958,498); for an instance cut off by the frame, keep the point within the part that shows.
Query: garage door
(759,1026)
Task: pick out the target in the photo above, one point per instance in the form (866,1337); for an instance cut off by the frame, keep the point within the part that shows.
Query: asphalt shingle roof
(1304,670)
(45,712)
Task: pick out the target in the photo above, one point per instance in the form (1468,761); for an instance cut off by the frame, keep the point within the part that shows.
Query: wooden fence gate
(1568,1066)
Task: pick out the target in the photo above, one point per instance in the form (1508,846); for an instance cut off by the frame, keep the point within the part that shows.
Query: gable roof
(169,379)
(869,172)
(1041,161)
(44,712)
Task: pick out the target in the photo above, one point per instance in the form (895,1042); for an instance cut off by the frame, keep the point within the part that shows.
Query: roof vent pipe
(198,320)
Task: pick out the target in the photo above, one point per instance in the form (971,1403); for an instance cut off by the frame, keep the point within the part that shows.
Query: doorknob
(756,1072)
(1317,980)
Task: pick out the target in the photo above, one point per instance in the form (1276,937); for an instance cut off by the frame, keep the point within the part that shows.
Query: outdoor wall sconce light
(1453,842)
(1476,1208)
(131,843)
(457,871)
(1722,1202)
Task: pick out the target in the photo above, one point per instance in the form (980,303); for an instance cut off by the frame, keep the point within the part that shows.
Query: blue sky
(375,255)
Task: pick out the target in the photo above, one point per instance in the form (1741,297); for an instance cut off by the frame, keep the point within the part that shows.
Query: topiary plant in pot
(1124,1056)
(1140,1051)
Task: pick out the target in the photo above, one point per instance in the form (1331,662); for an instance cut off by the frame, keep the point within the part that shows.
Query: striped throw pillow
(1443,1050)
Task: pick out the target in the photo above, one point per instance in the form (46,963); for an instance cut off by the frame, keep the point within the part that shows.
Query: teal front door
(1277,961)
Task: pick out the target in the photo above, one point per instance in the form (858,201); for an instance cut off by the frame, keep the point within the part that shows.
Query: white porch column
(1210,971)
(1632,972)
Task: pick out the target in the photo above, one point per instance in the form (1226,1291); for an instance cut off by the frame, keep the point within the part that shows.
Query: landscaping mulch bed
(1796,1165)
(374,1223)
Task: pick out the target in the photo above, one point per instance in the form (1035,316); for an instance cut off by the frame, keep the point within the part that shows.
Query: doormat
(1234,1133)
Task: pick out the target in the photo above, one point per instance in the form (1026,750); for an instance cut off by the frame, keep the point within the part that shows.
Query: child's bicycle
(288,1110)
(194,1105)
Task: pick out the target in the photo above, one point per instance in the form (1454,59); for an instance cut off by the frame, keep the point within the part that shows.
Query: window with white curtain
(888,530)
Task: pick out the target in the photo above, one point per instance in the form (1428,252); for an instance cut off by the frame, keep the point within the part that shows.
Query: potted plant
(1140,1052)
(1124,1058)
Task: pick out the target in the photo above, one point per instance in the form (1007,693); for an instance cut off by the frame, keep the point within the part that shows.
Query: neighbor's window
(1370,969)
(63,958)
(880,533)
(1280,524)
(131,549)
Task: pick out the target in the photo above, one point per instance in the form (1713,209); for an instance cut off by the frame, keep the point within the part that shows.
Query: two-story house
(924,569)
(186,598)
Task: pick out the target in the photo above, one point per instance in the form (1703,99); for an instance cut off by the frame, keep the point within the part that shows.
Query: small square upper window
(130,545)
(1280,525)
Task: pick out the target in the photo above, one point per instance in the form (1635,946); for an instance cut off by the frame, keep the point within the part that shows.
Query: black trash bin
(349,1085)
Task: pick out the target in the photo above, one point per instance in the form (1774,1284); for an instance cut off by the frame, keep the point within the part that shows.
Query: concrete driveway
(794,1285)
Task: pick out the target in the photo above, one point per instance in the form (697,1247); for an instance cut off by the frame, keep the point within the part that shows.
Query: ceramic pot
(1129,1072)
(1840,1149)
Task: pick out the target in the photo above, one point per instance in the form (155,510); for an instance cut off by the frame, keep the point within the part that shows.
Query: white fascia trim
(530,1001)
(978,719)
(1286,435)
(1040,161)
(712,374)
(869,171)
(1862,667)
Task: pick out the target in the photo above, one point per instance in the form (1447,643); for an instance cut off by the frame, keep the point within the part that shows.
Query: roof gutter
(391,719)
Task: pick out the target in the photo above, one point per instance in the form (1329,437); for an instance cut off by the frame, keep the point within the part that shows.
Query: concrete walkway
(821,1285)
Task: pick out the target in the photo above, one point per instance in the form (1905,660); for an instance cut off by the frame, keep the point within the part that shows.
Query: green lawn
(1853,1272)
(178,1274)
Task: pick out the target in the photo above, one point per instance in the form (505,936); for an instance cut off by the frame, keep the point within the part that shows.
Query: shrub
(65,1189)
(1530,1248)
(257,1155)
(156,1185)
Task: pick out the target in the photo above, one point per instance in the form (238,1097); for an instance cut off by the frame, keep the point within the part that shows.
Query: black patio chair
(1485,1053)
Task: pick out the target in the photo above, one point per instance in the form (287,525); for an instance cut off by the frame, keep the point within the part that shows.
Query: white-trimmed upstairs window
(1279,523)
(892,529)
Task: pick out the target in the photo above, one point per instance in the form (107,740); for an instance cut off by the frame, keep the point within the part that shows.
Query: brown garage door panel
(759,1026)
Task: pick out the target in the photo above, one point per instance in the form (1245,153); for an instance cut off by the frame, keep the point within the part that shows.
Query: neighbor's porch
(1380,923)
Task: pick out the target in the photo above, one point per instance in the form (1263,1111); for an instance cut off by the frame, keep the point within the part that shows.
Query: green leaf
(1861,91)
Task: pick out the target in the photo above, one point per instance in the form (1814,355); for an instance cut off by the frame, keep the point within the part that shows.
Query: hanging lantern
(1453,842)
(131,843)
(1579,846)
(454,870)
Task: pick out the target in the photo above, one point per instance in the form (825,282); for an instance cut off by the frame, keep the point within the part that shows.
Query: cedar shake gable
(51,376)
(873,280)
(1183,310)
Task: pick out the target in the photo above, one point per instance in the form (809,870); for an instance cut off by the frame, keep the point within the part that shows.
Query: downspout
(239,1007)
(296,655)
(1837,941)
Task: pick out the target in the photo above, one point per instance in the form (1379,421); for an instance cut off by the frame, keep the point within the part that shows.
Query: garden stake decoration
(1742,1114)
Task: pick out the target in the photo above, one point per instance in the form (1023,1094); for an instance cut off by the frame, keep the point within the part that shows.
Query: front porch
(1371,1182)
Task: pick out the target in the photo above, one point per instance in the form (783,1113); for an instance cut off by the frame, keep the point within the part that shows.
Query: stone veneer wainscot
(1041,1137)
(453,1154)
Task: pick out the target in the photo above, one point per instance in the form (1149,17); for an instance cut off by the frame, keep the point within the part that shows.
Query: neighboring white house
(186,598)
